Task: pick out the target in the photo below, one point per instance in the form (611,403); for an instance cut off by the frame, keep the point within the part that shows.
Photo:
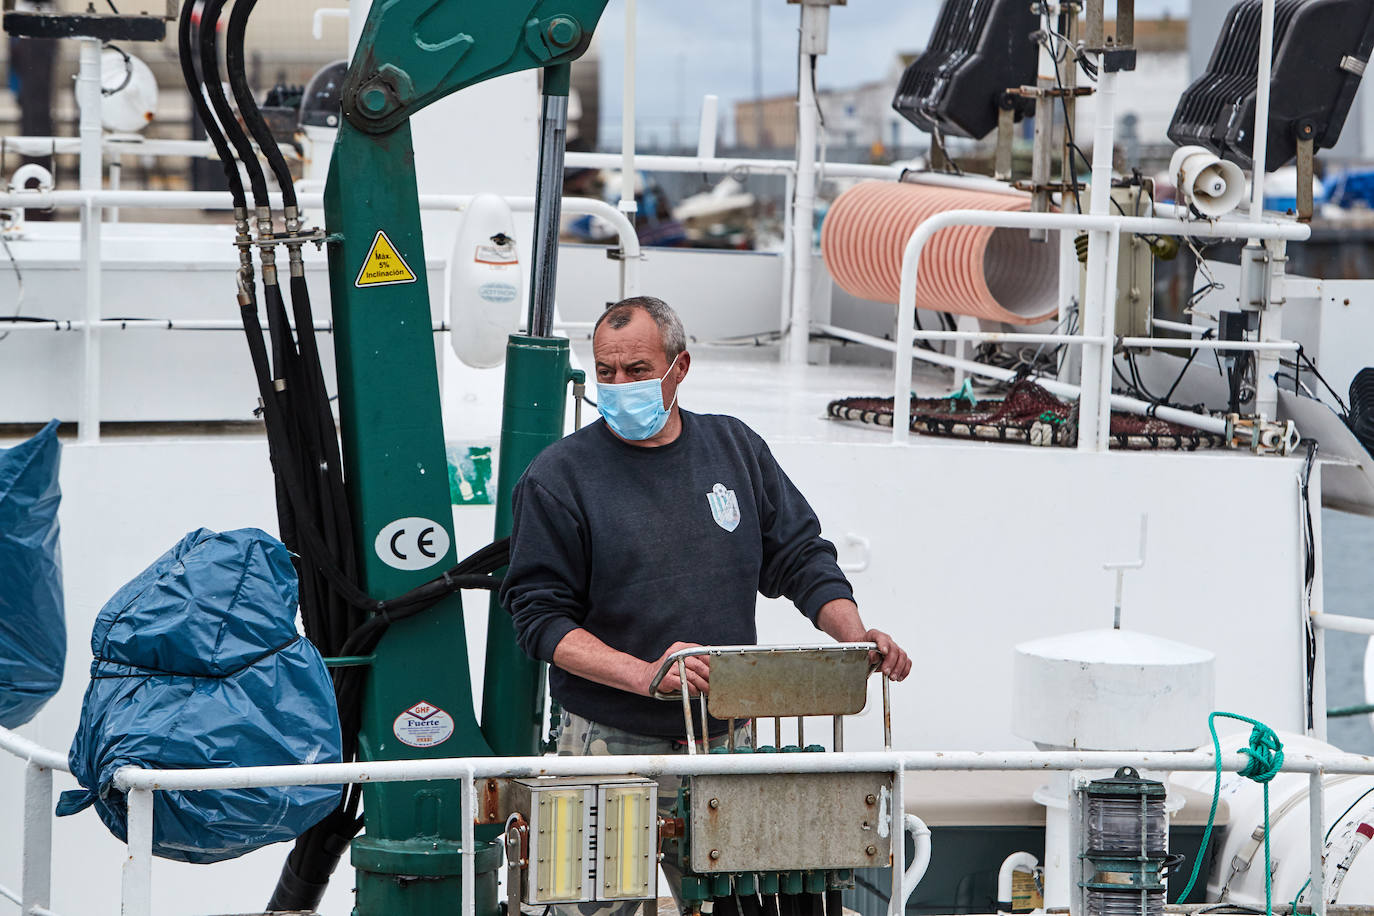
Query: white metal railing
(118,145)
(1095,392)
(92,203)
(35,894)
(140,784)
(716,165)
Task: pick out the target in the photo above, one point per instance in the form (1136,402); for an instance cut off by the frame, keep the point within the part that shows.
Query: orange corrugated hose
(994,274)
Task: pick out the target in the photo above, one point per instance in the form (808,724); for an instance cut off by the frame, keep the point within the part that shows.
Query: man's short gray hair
(618,314)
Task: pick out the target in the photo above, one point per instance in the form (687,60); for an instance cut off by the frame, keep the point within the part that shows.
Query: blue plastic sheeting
(198,664)
(33,631)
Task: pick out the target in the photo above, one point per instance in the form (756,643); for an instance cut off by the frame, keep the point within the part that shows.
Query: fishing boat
(1082,570)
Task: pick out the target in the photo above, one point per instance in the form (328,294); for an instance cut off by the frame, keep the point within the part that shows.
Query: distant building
(1150,94)
(860,120)
(857,120)
(766,123)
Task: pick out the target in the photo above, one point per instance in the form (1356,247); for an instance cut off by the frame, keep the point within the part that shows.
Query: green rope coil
(1266,759)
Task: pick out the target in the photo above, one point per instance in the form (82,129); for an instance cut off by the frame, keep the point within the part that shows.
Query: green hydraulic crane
(418,700)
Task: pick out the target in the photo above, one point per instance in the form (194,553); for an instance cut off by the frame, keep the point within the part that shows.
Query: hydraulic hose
(209,70)
(248,107)
(186,54)
(313,511)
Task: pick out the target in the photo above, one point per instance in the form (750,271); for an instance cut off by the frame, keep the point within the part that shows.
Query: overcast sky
(688,48)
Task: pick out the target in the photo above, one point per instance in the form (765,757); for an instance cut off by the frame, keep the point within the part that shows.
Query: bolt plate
(782,821)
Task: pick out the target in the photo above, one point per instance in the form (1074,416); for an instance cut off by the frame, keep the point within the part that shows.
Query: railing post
(1316,804)
(897,903)
(1318,698)
(137,894)
(36,889)
(88,416)
(467,809)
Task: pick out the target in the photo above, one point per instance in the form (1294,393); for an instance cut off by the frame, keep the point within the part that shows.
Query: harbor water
(1348,546)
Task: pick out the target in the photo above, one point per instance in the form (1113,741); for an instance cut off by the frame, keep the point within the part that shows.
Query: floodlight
(1321,48)
(979,50)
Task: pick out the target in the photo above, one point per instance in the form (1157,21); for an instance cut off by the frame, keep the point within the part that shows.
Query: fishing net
(1027,414)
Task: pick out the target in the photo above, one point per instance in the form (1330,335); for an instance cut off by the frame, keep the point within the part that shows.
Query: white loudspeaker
(1210,185)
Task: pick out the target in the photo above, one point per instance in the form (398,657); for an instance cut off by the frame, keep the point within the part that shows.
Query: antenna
(1123,565)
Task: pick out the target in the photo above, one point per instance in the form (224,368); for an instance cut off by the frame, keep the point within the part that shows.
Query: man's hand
(895,663)
(698,672)
(840,618)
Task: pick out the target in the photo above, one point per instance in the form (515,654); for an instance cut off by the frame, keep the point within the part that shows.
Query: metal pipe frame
(1343,624)
(93,202)
(140,783)
(1064,389)
(49,325)
(717,165)
(1112,224)
(35,895)
(120,144)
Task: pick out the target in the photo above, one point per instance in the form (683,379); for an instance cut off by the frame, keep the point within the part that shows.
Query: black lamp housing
(1321,48)
(979,50)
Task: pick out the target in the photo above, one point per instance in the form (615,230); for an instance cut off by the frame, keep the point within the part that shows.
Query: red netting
(1028,413)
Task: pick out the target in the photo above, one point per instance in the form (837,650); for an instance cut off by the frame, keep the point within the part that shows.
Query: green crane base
(421,874)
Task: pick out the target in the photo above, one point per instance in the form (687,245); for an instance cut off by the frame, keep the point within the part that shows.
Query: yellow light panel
(629,861)
(560,841)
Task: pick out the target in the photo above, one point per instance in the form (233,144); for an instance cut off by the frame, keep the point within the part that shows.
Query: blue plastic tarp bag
(198,664)
(33,631)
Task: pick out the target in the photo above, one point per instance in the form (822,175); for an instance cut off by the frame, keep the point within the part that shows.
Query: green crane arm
(418,701)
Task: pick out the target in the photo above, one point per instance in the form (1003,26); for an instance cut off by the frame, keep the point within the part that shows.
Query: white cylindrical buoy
(485,283)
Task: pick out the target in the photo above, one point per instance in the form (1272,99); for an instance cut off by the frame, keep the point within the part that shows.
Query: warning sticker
(384,265)
(423,725)
(495,254)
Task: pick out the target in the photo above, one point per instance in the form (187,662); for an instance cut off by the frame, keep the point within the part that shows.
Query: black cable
(187,57)
(128,65)
(1309,571)
(1188,362)
(1303,357)
(248,106)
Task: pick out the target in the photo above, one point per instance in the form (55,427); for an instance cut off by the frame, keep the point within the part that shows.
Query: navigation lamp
(627,860)
(978,50)
(1126,843)
(1321,48)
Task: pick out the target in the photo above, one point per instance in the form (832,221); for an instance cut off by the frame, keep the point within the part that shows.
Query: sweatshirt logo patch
(724,507)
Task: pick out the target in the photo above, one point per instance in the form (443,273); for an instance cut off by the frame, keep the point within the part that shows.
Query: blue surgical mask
(634,410)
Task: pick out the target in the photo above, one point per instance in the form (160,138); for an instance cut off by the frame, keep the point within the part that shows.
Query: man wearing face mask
(654,530)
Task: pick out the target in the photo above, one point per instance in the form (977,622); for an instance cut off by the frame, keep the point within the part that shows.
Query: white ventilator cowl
(128,92)
(1112,690)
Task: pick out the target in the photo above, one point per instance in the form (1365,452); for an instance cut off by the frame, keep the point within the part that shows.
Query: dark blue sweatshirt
(644,547)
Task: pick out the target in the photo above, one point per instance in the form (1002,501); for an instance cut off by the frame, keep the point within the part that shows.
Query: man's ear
(684,362)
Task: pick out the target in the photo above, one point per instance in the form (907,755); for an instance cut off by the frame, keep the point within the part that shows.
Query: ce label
(411,543)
